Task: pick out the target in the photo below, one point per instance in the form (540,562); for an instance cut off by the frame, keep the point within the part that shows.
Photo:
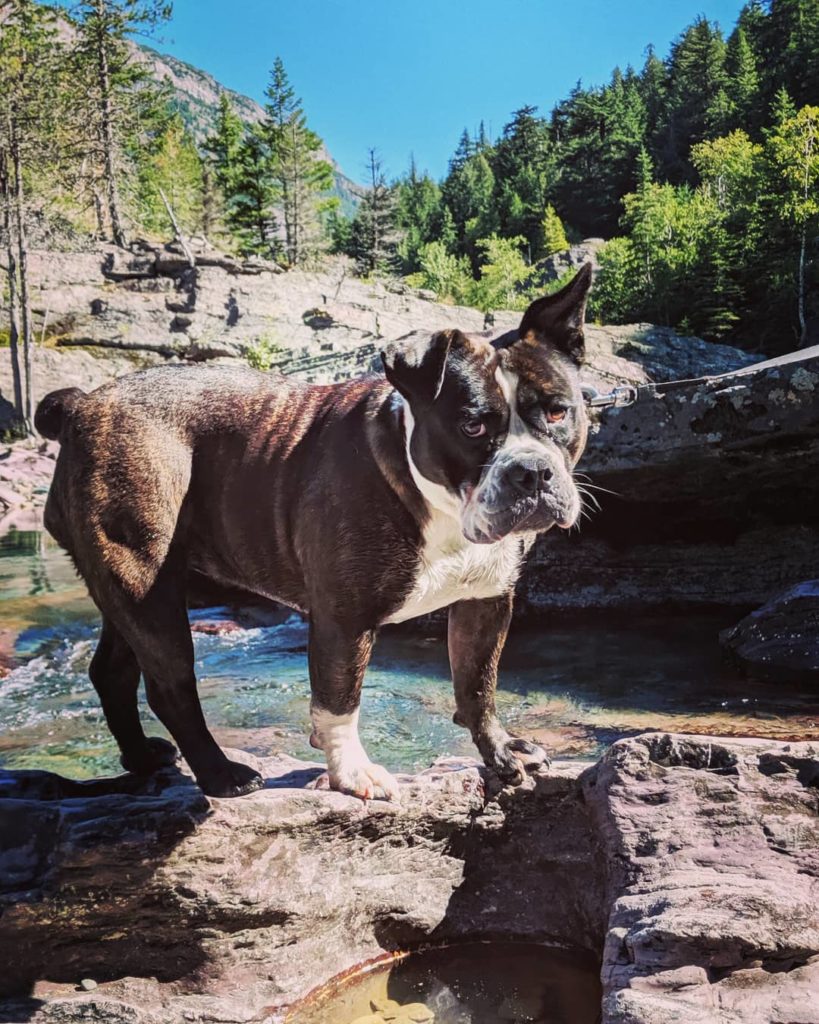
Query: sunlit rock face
(707,494)
(688,866)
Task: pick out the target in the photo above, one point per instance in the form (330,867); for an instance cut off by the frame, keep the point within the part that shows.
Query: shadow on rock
(103,841)
(529,871)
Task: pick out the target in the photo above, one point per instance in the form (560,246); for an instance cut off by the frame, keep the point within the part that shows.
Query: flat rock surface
(689,866)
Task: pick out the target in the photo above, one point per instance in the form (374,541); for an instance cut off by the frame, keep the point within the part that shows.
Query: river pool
(576,685)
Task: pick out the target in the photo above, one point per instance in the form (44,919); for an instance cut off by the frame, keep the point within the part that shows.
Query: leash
(617,398)
(627,394)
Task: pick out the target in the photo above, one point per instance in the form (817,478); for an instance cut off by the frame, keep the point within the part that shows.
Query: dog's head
(494,429)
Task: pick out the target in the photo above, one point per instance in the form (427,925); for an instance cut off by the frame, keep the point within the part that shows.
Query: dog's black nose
(528,478)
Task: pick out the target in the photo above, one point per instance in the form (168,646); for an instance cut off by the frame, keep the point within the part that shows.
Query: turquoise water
(574,686)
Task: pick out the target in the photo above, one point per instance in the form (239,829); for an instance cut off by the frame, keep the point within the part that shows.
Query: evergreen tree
(603,131)
(789,46)
(374,237)
(522,166)
(223,152)
(122,102)
(251,207)
(469,195)
(297,170)
(698,106)
(418,215)
(743,84)
(554,235)
(653,85)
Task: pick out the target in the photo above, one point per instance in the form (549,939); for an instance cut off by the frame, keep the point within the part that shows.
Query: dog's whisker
(589,497)
(597,487)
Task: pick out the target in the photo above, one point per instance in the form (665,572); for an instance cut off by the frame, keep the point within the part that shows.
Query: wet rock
(689,865)
(26,468)
(780,640)
(415,1013)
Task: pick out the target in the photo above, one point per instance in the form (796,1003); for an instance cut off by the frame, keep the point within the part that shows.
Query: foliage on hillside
(700,168)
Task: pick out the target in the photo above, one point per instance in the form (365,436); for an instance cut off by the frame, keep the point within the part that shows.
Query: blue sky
(407,77)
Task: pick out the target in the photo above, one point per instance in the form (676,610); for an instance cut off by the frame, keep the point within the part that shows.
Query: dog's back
(126,458)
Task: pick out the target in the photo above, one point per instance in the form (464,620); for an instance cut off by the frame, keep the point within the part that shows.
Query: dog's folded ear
(559,318)
(415,364)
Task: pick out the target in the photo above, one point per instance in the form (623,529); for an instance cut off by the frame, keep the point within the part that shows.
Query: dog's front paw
(511,757)
(234,779)
(365,780)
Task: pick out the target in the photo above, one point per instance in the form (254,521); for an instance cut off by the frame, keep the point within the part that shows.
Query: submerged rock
(779,641)
(689,866)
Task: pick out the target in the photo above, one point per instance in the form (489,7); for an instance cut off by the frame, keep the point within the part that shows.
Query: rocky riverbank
(688,866)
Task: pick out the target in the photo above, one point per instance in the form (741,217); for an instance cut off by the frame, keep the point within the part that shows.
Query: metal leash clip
(618,398)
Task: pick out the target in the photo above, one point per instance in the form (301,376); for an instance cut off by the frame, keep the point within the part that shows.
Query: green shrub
(262,353)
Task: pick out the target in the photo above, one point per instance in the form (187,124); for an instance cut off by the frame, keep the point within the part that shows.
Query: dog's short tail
(54,410)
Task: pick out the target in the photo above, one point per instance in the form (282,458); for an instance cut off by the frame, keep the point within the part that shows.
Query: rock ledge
(689,866)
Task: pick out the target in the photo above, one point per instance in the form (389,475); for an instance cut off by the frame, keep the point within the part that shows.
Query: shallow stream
(575,685)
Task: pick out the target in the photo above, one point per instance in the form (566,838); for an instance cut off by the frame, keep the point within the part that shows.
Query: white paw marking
(348,767)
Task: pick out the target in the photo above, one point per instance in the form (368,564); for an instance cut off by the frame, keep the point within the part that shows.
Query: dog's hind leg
(115,673)
(338,658)
(157,631)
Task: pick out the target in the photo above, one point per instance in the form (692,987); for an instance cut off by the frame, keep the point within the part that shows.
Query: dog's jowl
(359,504)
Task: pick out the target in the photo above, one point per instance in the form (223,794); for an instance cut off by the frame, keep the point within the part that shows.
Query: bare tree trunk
(25,303)
(99,211)
(104,81)
(11,273)
(810,144)
(208,215)
(186,249)
(803,323)
(375,256)
(296,198)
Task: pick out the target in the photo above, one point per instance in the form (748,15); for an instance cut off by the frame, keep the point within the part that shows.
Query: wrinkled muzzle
(520,491)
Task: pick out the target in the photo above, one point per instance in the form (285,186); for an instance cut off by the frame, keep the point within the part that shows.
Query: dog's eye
(556,414)
(473,428)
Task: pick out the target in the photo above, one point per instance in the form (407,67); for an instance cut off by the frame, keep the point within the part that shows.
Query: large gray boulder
(688,866)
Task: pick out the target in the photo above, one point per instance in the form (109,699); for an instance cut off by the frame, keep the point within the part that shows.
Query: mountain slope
(195,94)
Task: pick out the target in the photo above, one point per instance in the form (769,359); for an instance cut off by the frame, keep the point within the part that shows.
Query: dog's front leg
(477,633)
(338,658)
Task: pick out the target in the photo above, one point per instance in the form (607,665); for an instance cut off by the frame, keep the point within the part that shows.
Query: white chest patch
(452,569)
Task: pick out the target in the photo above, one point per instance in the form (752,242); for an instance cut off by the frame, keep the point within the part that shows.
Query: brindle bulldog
(359,504)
